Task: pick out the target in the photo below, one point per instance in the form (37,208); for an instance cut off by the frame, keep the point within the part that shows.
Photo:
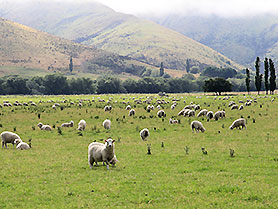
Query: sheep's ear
(105,140)
(113,141)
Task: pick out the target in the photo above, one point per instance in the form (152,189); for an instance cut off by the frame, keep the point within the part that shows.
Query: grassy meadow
(55,172)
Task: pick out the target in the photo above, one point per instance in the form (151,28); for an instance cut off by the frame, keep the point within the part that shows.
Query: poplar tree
(272,79)
(258,76)
(266,72)
(247,80)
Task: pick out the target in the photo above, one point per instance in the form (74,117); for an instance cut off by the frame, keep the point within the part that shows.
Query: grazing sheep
(81,125)
(231,103)
(186,111)
(217,115)
(222,114)
(191,113)
(20,145)
(181,112)
(106,124)
(198,126)
(237,123)
(44,127)
(98,152)
(197,107)
(161,114)
(131,112)
(240,107)
(171,121)
(234,107)
(8,137)
(144,134)
(70,124)
(107,108)
(128,107)
(202,113)
(173,106)
(209,115)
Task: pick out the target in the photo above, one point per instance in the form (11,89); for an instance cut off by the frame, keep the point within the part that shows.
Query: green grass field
(55,172)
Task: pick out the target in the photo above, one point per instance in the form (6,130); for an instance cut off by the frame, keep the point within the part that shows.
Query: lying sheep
(209,115)
(44,127)
(237,123)
(202,113)
(106,124)
(198,126)
(70,124)
(20,145)
(131,112)
(161,114)
(9,137)
(144,134)
(98,152)
(81,125)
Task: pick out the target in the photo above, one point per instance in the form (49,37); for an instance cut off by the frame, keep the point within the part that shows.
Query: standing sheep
(237,123)
(81,125)
(44,127)
(209,115)
(131,112)
(98,152)
(106,124)
(20,145)
(144,134)
(234,107)
(202,113)
(8,137)
(161,114)
(108,108)
(198,126)
(128,107)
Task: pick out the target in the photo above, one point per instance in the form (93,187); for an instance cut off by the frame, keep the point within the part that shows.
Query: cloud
(207,7)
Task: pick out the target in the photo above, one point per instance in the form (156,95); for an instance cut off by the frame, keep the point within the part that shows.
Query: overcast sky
(218,7)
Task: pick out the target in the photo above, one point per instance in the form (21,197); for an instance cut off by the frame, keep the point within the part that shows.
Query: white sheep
(198,126)
(81,125)
(209,115)
(161,114)
(70,124)
(171,121)
(44,127)
(131,112)
(234,107)
(128,107)
(240,107)
(8,137)
(107,108)
(144,134)
(186,111)
(181,112)
(237,123)
(191,113)
(202,113)
(217,115)
(20,145)
(106,124)
(98,152)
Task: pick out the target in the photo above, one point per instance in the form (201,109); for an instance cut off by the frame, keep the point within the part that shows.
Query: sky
(207,7)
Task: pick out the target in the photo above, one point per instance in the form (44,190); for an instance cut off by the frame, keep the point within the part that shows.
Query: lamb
(106,124)
(202,113)
(20,145)
(98,152)
(234,107)
(131,112)
(144,134)
(198,126)
(44,127)
(161,114)
(209,115)
(8,137)
(237,123)
(81,125)
(70,124)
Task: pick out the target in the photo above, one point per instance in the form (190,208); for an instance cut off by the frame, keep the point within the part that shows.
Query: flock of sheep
(104,152)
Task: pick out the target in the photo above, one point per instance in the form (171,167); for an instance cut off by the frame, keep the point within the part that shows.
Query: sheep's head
(109,143)
(40,124)
(231,127)
(203,130)
(17,141)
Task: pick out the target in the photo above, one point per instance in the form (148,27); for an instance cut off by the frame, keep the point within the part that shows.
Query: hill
(23,48)
(240,38)
(97,25)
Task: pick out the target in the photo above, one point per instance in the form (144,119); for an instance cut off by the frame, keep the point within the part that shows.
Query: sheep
(197,107)
(106,124)
(70,124)
(81,125)
(181,112)
(161,114)
(131,112)
(144,134)
(107,108)
(234,107)
(20,145)
(171,121)
(222,114)
(44,127)
(198,126)
(8,137)
(173,106)
(191,113)
(202,113)
(217,115)
(98,152)
(128,107)
(231,103)
(240,107)
(186,111)
(209,115)
(237,123)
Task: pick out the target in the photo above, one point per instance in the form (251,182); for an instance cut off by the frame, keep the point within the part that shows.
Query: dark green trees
(247,80)
(272,79)
(161,70)
(71,65)
(266,72)
(258,76)
(217,85)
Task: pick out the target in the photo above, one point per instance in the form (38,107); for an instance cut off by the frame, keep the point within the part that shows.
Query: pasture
(55,172)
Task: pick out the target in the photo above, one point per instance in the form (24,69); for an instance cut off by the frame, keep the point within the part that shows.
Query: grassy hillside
(97,25)
(242,39)
(27,49)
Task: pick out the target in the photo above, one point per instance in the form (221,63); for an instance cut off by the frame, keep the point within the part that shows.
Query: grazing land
(55,173)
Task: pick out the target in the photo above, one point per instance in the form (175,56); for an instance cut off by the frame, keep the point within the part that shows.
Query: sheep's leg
(2,144)
(91,162)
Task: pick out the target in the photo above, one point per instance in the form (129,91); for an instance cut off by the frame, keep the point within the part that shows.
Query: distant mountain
(240,38)
(25,47)
(97,25)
